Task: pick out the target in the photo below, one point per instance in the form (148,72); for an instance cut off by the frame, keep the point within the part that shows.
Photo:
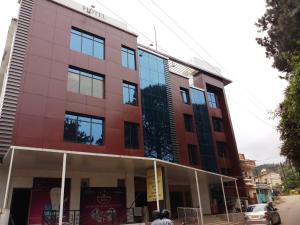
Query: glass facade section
(83,129)
(155,112)
(86,43)
(203,130)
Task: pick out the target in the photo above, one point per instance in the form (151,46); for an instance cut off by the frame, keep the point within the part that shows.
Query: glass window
(73,82)
(212,100)
(188,122)
(128,58)
(185,95)
(131,135)
(86,43)
(222,149)
(83,129)
(85,82)
(129,93)
(218,124)
(75,43)
(192,151)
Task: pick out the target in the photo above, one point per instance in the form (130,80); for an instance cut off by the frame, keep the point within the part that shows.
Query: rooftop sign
(89,11)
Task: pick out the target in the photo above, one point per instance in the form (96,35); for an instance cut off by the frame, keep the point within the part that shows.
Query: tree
(289,113)
(280,26)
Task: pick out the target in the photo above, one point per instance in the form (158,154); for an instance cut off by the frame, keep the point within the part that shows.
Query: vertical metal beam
(8,178)
(238,195)
(224,199)
(199,198)
(156,185)
(62,190)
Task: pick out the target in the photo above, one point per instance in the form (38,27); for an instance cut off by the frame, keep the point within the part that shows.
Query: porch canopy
(30,158)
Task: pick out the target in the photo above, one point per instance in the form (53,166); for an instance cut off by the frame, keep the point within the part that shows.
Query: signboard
(45,195)
(151,188)
(102,205)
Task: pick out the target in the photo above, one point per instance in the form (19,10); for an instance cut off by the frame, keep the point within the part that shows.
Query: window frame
(88,119)
(127,51)
(216,127)
(212,99)
(128,89)
(86,73)
(188,122)
(131,144)
(192,154)
(223,150)
(184,91)
(94,38)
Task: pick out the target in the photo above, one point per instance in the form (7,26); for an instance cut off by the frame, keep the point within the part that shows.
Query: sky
(221,33)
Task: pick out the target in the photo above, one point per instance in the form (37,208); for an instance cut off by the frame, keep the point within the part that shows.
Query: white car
(262,214)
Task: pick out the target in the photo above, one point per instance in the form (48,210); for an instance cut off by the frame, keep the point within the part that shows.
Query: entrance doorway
(20,206)
(180,196)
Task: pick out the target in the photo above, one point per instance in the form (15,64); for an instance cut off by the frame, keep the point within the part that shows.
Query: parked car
(262,214)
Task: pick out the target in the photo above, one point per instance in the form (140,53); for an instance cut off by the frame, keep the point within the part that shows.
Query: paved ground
(289,210)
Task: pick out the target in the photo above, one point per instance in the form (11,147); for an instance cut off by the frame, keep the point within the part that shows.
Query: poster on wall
(45,195)
(151,187)
(102,205)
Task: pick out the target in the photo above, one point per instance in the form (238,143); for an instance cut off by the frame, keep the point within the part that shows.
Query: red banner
(45,195)
(102,205)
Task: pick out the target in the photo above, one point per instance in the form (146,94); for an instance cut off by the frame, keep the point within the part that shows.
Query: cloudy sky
(220,32)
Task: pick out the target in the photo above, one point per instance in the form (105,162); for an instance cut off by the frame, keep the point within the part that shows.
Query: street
(289,210)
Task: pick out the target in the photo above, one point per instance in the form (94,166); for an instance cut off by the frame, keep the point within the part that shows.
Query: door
(20,206)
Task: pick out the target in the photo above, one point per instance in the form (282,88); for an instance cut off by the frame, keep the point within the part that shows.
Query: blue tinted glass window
(97,131)
(87,43)
(212,100)
(128,58)
(83,129)
(87,46)
(98,50)
(75,43)
(129,93)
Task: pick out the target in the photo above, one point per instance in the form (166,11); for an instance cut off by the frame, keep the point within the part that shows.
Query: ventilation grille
(14,77)
(172,114)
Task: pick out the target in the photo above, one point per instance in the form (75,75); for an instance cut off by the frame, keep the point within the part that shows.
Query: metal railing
(70,217)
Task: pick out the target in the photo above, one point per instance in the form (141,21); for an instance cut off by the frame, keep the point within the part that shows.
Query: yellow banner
(151,188)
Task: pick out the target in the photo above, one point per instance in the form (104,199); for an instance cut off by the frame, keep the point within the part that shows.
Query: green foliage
(290,177)
(289,113)
(280,28)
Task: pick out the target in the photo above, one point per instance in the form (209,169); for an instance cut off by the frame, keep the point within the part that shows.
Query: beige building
(271,178)
(247,167)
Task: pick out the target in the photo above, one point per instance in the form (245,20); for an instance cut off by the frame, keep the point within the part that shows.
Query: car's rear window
(256,208)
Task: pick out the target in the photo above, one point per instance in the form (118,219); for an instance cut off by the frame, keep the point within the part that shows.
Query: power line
(174,32)
(203,49)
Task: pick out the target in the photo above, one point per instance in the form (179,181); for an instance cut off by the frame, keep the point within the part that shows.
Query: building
(97,128)
(270,178)
(248,167)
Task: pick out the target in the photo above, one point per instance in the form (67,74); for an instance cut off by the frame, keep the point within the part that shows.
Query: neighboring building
(93,124)
(248,167)
(264,193)
(270,178)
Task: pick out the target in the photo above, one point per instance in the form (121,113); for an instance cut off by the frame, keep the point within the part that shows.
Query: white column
(199,198)
(156,185)
(238,195)
(224,199)
(62,190)
(8,178)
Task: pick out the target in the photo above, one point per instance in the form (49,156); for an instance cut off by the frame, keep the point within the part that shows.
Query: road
(289,210)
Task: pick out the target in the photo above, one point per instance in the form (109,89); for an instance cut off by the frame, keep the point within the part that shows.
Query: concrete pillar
(130,191)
